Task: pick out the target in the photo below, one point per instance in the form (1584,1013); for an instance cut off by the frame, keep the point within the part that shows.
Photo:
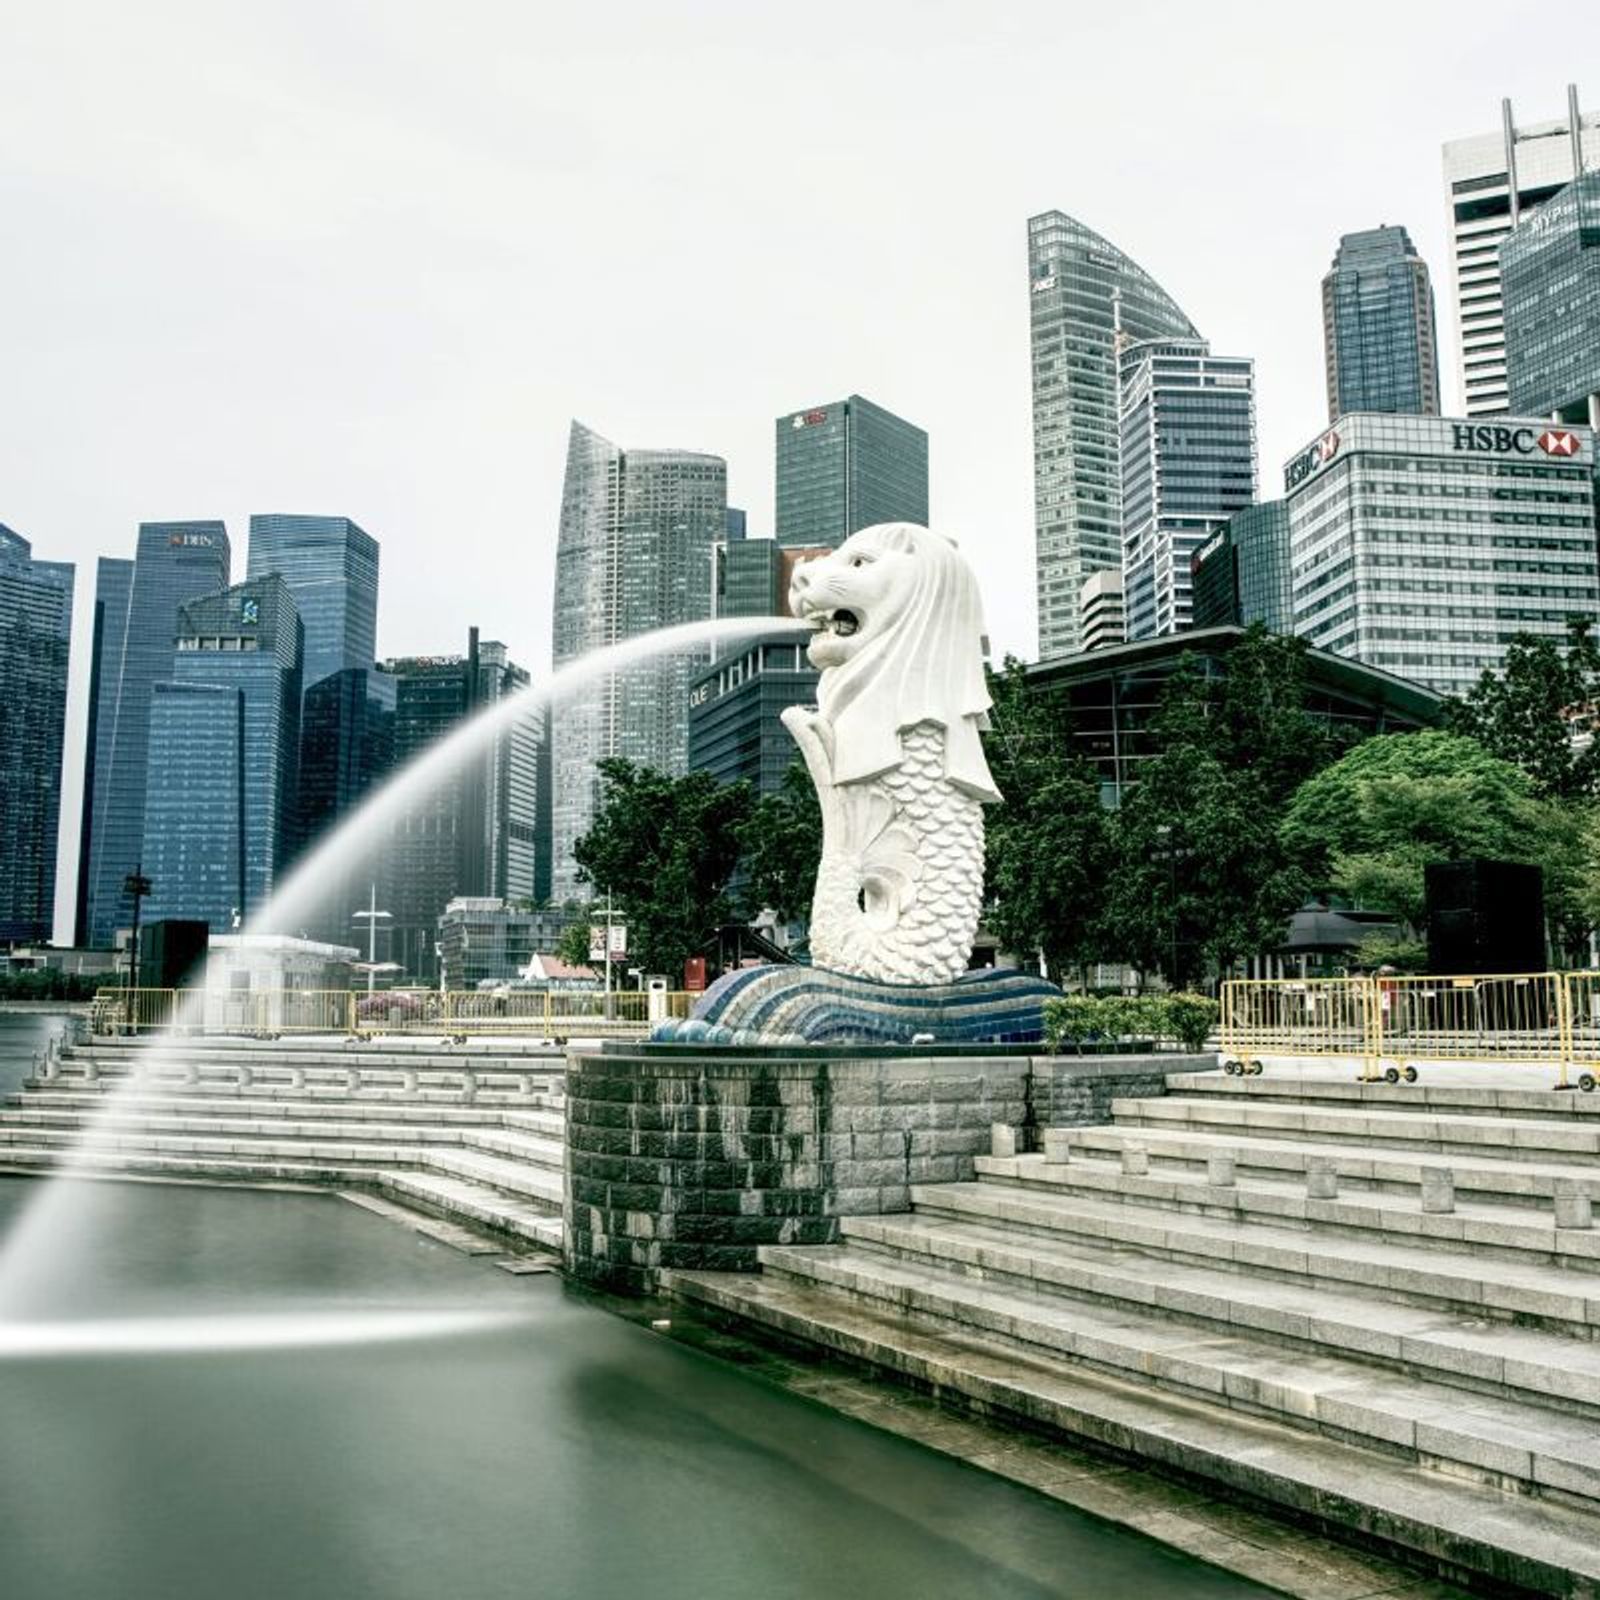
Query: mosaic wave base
(792,1005)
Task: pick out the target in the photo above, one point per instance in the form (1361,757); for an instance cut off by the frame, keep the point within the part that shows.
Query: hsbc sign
(1312,460)
(1498,439)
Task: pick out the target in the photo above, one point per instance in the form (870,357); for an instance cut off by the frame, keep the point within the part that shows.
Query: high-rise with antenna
(1493,181)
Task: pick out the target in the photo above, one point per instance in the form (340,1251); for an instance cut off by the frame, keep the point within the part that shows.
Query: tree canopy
(780,844)
(1525,712)
(1377,817)
(665,848)
(1049,841)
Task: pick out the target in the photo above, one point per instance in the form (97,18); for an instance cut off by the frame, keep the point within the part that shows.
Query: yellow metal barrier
(1298,1017)
(272,1013)
(1518,1017)
(1582,991)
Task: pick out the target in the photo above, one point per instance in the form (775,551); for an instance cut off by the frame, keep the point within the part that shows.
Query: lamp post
(137,885)
(370,917)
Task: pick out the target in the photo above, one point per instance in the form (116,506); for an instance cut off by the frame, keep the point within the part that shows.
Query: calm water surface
(569,1454)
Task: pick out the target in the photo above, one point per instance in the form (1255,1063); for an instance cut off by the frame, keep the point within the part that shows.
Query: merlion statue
(893,747)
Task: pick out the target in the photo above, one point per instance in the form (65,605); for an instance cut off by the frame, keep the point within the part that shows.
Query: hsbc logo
(1312,460)
(1558,442)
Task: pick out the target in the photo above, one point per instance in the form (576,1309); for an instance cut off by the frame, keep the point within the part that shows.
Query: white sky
(369,259)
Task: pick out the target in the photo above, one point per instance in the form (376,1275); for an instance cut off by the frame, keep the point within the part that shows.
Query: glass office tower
(35,636)
(1550,274)
(1425,545)
(1378,331)
(331,568)
(847,465)
(634,554)
(1242,572)
(220,819)
(483,830)
(1188,441)
(136,626)
(1086,299)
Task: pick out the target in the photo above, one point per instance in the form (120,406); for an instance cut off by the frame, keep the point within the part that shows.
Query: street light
(370,917)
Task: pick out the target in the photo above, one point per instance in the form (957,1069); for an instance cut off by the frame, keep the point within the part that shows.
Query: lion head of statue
(898,639)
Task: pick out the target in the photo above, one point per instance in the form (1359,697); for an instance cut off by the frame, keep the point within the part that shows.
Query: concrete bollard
(469,1084)
(1574,1208)
(1221,1170)
(1002,1140)
(1057,1147)
(352,1078)
(91,1069)
(1135,1159)
(191,1074)
(1322,1179)
(245,1074)
(1438,1189)
(408,1081)
(297,1078)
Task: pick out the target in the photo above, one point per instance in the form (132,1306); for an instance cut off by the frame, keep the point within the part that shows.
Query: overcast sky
(369,259)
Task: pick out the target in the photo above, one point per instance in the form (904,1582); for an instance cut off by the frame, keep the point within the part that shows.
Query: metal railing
(273,1013)
(1393,1024)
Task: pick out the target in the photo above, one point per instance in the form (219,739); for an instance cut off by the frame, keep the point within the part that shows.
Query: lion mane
(928,667)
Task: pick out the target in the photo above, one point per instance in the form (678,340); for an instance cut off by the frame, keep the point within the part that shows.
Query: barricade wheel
(1409,1074)
(1586,1082)
(1391,1074)
(1232,1067)
(1255,1069)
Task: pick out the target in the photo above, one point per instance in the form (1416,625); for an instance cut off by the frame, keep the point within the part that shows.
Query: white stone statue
(893,749)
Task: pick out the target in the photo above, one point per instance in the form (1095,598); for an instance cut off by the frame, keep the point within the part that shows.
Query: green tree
(1202,877)
(664,848)
(1048,842)
(1526,712)
(1376,818)
(780,844)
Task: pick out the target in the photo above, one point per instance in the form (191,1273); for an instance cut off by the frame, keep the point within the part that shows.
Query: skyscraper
(331,568)
(1242,572)
(1188,442)
(220,820)
(847,465)
(1378,332)
(1083,292)
(1550,270)
(483,830)
(633,555)
(1492,181)
(35,633)
(1425,545)
(136,625)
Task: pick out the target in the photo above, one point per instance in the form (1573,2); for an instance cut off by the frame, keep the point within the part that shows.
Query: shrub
(1189,1018)
(1079,1019)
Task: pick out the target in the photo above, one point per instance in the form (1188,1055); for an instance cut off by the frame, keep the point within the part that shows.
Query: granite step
(1516,1182)
(1448,1345)
(1520,1138)
(1539,1098)
(1508,1444)
(528,1212)
(1491,1231)
(538,1186)
(39,1104)
(1456,1523)
(460,1199)
(1536,1293)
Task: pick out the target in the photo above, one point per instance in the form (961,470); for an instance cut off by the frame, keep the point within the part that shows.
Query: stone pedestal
(686,1157)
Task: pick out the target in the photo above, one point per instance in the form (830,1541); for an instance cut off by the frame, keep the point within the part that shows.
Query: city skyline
(440,279)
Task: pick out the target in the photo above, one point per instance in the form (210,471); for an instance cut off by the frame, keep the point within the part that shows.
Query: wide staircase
(1373,1308)
(471,1135)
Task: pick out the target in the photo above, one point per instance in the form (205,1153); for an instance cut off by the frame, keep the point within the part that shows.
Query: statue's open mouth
(842,622)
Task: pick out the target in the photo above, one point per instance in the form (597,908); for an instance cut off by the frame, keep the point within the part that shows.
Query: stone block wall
(678,1157)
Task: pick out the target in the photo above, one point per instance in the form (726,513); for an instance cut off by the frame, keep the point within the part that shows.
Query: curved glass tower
(1082,291)
(633,555)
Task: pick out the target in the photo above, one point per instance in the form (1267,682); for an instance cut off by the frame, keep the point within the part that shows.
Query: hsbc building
(1424,545)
